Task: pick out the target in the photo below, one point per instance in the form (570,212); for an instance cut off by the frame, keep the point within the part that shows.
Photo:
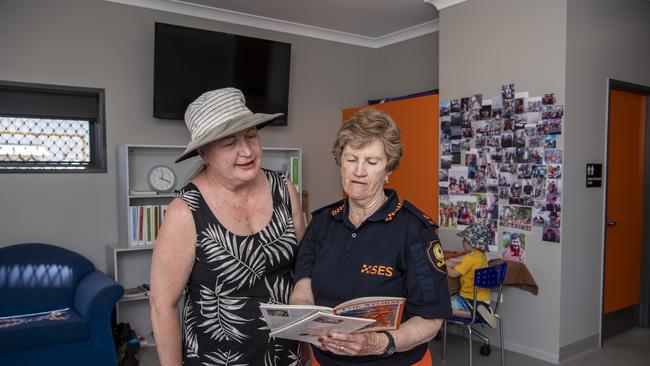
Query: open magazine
(308,322)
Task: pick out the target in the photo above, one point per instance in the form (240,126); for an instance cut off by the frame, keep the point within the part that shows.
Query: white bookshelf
(134,164)
(130,267)
(279,159)
(131,264)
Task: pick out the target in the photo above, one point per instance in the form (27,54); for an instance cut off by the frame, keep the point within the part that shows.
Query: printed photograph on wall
(553,190)
(454,106)
(553,126)
(459,182)
(534,138)
(443,188)
(464,104)
(553,156)
(516,217)
(446,216)
(493,246)
(508,91)
(465,144)
(456,212)
(445,149)
(492,201)
(550,142)
(445,108)
(513,246)
(551,234)
(548,98)
(539,188)
(535,104)
(486,112)
(536,156)
(539,214)
(445,161)
(554,171)
(475,102)
(466,210)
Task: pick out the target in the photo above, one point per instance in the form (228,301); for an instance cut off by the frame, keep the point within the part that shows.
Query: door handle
(610,223)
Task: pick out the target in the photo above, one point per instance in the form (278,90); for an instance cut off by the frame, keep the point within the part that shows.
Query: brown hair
(366,126)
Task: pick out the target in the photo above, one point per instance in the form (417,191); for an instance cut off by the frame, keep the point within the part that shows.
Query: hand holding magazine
(308,322)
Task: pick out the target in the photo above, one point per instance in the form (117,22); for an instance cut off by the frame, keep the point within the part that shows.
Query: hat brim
(226,129)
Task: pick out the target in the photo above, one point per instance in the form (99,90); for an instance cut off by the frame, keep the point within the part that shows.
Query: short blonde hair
(366,126)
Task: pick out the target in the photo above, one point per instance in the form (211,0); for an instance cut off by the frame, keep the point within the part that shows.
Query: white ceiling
(371,23)
(370,18)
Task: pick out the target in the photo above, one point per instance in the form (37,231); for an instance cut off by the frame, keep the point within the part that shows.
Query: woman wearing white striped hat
(228,242)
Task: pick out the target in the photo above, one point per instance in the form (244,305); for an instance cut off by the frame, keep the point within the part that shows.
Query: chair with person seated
(491,277)
(55,308)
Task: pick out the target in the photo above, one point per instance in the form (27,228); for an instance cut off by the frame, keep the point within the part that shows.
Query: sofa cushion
(39,330)
(39,277)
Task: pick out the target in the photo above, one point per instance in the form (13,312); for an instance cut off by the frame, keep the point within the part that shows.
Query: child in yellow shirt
(476,238)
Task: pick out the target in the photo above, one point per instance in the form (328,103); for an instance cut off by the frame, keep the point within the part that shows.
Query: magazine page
(279,315)
(385,311)
(318,324)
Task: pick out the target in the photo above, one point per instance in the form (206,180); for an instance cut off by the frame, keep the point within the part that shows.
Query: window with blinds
(46,128)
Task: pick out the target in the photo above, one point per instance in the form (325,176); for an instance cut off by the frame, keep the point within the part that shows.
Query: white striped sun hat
(217,114)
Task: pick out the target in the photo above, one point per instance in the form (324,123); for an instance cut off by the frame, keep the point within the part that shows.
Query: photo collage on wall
(501,166)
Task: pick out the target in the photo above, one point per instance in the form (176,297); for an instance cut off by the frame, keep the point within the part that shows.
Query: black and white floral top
(232,275)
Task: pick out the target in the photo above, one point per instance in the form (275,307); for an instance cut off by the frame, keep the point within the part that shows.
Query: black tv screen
(189,62)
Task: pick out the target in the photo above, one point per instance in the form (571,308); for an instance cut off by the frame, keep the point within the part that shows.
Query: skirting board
(532,352)
(515,347)
(577,348)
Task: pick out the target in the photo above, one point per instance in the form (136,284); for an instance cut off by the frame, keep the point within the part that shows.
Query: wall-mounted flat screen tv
(189,62)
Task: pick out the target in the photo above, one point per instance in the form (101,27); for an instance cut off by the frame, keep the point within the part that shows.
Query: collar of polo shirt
(384,213)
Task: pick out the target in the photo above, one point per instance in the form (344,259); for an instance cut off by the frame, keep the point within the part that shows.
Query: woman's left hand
(353,344)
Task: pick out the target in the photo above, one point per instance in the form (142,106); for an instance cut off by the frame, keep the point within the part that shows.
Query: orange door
(625,198)
(416,178)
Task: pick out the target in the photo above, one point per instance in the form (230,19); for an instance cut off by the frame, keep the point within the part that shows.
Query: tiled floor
(631,348)
(626,349)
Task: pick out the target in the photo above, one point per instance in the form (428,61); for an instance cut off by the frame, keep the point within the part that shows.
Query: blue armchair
(55,308)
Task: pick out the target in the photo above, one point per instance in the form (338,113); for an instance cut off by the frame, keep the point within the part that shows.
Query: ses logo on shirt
(377,270)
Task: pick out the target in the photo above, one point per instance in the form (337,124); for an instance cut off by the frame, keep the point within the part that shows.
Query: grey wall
(605,38)
(407,67)
(93,43)
(484,44)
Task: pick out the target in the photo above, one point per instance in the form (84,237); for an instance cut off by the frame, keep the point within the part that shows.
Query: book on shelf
(133,217)
(295,166)
(148,225)
(145,221)
(140,226)
(162,212)
(156,220)
(308,322)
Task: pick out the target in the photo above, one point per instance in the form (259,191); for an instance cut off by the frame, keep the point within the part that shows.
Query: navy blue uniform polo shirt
(395,252)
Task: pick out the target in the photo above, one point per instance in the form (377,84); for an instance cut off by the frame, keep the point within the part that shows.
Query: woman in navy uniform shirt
(373,244)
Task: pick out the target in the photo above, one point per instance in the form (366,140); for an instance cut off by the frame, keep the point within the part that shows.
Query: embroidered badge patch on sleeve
(436,256)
